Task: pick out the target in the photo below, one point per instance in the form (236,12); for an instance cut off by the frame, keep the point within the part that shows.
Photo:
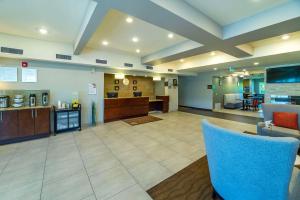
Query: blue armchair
(249,167)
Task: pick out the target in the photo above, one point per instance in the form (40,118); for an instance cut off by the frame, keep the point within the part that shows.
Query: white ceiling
(62,18)
(119,33)
(225,12)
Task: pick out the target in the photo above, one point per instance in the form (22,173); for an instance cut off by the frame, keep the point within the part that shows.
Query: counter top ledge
(23,108)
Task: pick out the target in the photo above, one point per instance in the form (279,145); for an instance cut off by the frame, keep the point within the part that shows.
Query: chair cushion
(286,120)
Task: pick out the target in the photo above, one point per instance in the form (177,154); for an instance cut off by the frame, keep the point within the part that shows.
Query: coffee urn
(32,100)
(45,99)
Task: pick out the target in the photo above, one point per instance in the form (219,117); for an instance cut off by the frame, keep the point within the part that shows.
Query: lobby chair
(276,131)
(251,167)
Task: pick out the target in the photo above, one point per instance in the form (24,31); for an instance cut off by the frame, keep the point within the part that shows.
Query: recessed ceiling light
(135,39)
(43,31)
(285,37)
(170,35)
(256,63)
(181,60)
(105,43)
(212,53)
(215,68)
(138,51)
(242,76)
(129,20)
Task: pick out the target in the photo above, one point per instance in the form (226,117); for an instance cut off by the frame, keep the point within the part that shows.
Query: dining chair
(251,167)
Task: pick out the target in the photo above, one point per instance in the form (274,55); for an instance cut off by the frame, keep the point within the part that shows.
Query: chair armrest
(259,127)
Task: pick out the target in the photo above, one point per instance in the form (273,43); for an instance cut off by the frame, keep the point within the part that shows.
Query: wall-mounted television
(284,74)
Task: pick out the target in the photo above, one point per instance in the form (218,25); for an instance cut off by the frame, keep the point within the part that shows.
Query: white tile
(74,187)
(133,193)
(150,173)
(111,182)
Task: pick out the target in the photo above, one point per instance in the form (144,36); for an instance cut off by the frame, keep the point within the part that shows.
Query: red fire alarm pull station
(24,64)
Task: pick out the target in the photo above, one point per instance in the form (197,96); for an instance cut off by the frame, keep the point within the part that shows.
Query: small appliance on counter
(18,101)
(45,99)
(32,100)
(4,101)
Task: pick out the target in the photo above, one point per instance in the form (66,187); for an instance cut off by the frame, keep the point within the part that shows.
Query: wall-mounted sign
(8,74)
(92,89)
(29,75)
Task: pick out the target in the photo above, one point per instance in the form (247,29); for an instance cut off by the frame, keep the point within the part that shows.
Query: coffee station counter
(24,123)
(23,108)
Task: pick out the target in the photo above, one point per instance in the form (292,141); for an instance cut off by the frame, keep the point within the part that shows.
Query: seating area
(149,100)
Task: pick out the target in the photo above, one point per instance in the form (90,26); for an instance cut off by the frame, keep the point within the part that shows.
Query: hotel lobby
(149,99)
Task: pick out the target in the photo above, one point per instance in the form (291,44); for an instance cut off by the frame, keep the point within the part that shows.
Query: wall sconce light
(156,78)
(119,76)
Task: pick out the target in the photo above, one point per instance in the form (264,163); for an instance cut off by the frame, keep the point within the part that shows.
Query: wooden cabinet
(26,122)
(8,124)
(41,121)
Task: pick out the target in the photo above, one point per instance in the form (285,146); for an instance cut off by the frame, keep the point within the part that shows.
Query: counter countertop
(127,97)
(23,108)
(155,100)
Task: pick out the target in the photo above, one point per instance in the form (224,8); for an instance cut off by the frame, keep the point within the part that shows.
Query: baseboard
(204,109)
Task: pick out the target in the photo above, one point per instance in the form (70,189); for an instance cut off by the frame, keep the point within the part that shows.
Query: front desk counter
(123,108)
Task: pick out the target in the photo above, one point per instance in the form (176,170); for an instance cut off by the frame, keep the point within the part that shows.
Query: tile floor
(113,161)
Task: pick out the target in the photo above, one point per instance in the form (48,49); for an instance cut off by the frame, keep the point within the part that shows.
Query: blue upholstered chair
(249,167)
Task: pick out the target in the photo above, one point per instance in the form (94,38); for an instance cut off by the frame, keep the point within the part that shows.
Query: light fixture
(246,73)
(137,51)
(156,78)
(43,31)
(215,69)
(212,53)
(135,39)
(285,37)
(182,60)
(242,76)
(244,70)
(234,75)
(119,76)
(256,63)
(170,35)
(129,20)
(105,43)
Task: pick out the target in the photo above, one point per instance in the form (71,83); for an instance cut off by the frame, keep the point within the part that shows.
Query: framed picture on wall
(209,87)
(134,88)
(175,82)
(134,82)
(117,88)
(117,81)
(166,84)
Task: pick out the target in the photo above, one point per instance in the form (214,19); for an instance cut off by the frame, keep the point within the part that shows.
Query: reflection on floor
(258,114)
(222,115)
(113,161)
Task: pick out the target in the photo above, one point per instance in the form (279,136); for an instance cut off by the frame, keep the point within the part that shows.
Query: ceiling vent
(63,57)
(170,70)
(99,61)
(11,50)
(128,65)
(149,67)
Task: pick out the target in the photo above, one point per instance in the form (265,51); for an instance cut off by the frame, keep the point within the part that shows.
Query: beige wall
(144,84)
(62,81)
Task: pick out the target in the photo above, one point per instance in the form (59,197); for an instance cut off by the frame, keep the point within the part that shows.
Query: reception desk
(122,108)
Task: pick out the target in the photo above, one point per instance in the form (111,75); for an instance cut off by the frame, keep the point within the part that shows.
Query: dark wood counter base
(24,124)
(123,108)
(23,139)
